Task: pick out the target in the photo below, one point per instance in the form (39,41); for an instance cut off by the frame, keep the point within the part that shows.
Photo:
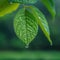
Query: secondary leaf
(25,26)
(6,7)
(40,18)
(49,4)
(25,1)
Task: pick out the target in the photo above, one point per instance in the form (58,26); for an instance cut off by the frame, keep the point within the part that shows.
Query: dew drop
(27,46)
(11,3)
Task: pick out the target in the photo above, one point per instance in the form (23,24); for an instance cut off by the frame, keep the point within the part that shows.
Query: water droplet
(27,46)
(11,3)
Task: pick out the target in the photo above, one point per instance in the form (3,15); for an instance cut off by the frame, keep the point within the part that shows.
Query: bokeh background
(12,48)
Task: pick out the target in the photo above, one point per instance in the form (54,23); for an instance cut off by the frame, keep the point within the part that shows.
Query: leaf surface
(25,26)
(25,1)
(41,20)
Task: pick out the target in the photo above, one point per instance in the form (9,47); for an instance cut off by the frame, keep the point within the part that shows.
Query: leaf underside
(25,26)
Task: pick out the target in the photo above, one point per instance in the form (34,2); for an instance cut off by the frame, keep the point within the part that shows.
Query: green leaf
(41,20)
(25,26)
(25,1)
(6,7)
(50,5)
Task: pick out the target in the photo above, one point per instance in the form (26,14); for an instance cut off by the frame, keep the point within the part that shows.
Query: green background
(12,48)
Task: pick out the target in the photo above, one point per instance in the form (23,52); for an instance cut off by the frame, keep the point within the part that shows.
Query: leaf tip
(50,42)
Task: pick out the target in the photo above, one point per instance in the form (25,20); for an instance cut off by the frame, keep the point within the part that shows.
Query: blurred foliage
(6,7)
(50,5)
(30,55)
